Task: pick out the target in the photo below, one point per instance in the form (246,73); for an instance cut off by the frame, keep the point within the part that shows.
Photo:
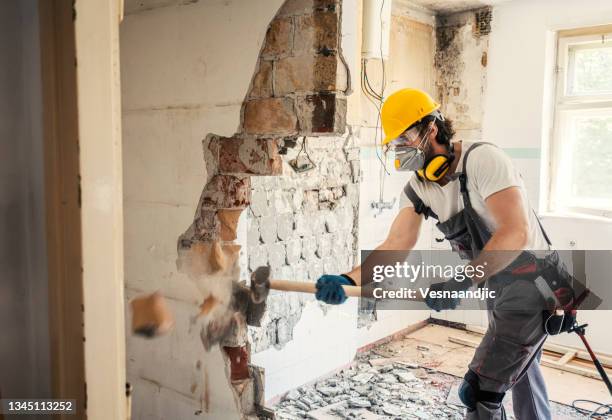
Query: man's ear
(433,133)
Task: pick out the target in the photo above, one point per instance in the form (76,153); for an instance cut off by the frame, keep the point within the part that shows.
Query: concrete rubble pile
(366,390)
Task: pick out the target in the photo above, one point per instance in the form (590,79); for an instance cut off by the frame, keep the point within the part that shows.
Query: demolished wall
(185,71)
(296,91)
(302,224)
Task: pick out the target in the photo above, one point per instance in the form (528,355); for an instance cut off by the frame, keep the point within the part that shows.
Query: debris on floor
(383,384)
(372,390)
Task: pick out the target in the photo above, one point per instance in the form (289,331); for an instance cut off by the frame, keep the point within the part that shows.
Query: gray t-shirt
(489,170)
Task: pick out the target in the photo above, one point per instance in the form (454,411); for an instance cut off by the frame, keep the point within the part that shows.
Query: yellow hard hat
(402,109)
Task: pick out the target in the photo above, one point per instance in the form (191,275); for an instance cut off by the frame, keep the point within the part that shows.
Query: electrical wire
(596,411)
(376,98)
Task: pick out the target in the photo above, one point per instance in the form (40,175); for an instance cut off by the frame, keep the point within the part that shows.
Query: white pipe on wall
(376,28)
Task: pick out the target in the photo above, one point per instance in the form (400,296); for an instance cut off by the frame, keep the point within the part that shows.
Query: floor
(414,377)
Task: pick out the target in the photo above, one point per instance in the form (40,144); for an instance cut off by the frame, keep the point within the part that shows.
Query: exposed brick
(311,200)
(259,203)
(294,251)
(207,226)
(305,73)
(321,113)
(316,33)
(267,228)
(284,226)
(249,157)
(239,362)
(270,116)
(228,220)
(262,82)
(277,255)
(279,38)
(226,192)
(258,256)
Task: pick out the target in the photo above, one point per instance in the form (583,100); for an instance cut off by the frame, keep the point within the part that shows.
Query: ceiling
(450,6)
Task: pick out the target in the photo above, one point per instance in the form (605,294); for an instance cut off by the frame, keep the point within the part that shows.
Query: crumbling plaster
(462,42)
(282,103)
(185,70)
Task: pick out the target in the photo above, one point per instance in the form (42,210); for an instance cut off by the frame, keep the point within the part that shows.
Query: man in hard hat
(480,202)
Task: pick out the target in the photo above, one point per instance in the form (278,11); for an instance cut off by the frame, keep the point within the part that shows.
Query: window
(581,150)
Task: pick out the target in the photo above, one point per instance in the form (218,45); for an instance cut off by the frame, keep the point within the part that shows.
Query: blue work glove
(329,288)
(438,304)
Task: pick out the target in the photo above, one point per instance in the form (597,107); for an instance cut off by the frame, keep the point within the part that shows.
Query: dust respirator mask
(410,155)
(410,158)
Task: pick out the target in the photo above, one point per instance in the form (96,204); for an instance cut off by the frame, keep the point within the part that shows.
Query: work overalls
(510,350)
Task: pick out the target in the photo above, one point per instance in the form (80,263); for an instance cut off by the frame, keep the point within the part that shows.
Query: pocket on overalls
(501,359)
(456,232)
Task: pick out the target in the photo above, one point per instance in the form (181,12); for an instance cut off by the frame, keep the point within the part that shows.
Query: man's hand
(329,288)
(438,304)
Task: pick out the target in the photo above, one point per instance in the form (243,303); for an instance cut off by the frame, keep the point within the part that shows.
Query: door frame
(83,181)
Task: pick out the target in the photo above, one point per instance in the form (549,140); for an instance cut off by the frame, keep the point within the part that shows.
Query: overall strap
(419,206)
(466,196)
(542,229)
(463,175)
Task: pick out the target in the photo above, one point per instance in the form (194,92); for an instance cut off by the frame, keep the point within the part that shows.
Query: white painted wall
(516,117)
(185,70)
(410,64)
(519,81)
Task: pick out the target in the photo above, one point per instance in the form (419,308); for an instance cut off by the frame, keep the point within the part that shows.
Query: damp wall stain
(462,42)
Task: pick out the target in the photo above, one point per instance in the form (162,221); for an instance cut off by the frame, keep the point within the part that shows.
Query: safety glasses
(408,137)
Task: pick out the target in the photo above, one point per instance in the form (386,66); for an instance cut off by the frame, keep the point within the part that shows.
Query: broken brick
(207,225)
(249,156)
(216,259)
(226,192)
(317,33)
(270,116)
(321,113)
(228,220)
(239,362)
(278,38)
(151,315)
(305,73)
(262,82)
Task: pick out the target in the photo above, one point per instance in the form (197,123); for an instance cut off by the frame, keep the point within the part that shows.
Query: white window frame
(565,103)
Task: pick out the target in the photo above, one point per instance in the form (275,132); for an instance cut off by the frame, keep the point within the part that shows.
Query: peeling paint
(461,59)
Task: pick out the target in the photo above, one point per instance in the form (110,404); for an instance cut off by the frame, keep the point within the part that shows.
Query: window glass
(590,69)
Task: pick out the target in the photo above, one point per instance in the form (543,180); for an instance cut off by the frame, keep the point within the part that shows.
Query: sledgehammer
(261,277)
(151,316)
(308,287)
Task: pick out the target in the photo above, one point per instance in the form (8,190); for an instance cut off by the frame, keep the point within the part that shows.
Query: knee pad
(467,395)
(471,394)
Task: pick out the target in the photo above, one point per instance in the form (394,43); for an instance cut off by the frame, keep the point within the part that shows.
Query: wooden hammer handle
(308,287)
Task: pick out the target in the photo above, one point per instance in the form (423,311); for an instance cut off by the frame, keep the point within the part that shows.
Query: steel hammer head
(260,284)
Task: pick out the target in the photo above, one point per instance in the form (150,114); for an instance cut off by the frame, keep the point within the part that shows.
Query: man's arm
(402,236)
(511,236)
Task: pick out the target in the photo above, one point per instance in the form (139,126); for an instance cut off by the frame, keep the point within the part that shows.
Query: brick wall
(303,225)
(299,224)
